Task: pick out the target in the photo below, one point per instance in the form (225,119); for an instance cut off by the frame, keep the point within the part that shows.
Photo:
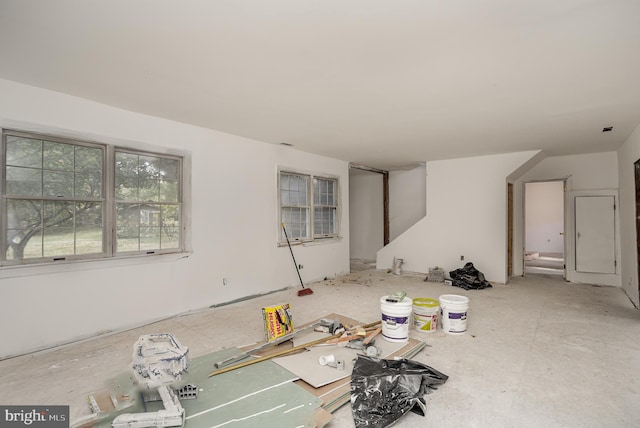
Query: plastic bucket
(453,312)
(395,319)
(425,314)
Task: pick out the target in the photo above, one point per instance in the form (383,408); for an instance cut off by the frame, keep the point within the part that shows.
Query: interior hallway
(538,351)
(544,263)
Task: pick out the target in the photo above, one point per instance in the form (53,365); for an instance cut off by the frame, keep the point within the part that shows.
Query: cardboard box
(278,321)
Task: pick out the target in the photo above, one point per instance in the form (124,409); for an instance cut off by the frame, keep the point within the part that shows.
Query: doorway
(544,239)
(368,215)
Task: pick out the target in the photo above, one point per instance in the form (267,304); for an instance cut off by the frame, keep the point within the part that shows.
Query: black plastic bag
(382,391)
(469,278)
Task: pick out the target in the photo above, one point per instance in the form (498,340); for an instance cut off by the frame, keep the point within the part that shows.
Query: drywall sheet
(261,394)
(306,364)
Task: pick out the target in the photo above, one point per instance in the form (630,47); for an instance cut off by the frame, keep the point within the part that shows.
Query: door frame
(385,196)
(566,203)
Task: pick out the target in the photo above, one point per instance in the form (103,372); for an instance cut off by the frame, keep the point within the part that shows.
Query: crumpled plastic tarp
(469,278)
(382,391)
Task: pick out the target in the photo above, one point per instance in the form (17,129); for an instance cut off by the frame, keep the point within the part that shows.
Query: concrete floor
(538,351)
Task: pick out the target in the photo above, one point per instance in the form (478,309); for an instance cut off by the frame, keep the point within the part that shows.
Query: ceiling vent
(607,129)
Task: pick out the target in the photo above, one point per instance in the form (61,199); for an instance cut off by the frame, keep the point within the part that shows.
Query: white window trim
(10,269)
(311,240)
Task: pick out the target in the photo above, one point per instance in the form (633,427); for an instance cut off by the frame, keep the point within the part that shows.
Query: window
(324,207)
(67,200)
(147,199)
(304,197)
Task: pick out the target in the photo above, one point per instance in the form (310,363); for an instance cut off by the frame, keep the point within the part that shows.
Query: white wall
(407,205)
(627,155)
(466,215)
(234,224)
(544,217)
(586,174)
(366,214)
(407,199)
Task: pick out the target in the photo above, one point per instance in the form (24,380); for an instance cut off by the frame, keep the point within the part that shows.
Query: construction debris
(383,391)
(234,393)
(397,266)
(469,278)
(158,361)
(436,274)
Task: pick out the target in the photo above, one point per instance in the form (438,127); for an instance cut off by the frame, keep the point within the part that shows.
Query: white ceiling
(381,83)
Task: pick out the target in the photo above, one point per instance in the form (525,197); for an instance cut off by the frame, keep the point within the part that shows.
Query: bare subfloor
(538,351)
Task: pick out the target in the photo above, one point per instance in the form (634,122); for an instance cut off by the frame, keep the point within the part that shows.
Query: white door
(595,234)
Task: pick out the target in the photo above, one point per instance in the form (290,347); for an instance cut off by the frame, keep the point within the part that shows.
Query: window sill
(17,271)
(314,242)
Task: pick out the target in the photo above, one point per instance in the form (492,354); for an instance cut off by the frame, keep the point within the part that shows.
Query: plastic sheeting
(469,278)
(383,391)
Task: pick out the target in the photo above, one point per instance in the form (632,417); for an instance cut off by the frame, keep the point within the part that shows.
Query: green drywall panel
(261,394)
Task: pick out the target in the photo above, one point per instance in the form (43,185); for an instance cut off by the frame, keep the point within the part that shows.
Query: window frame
(315,234)
(108,200)
(313,237)
(180,174)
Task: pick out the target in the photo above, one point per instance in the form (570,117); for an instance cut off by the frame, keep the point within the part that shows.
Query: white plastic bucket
(395,319)
(453,312)
(425,314)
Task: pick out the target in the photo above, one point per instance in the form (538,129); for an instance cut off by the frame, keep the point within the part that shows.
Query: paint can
(453,313)
(425,314)
(395,319)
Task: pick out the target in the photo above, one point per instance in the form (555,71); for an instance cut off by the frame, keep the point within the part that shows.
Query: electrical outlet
(225,281)
(461,257)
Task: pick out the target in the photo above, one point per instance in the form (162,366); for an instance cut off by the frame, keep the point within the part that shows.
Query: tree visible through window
(147,202)
(53,197)
(300,201)
(55,206)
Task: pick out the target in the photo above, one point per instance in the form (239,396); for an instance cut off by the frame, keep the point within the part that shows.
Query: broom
(304,291)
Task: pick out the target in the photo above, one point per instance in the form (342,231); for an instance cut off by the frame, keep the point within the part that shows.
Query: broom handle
(292,256)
